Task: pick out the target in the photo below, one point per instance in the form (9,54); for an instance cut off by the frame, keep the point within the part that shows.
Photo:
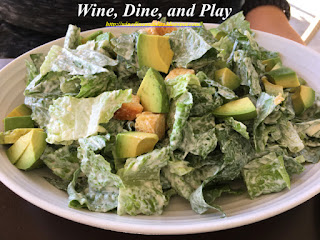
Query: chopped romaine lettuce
(181,110)
(141,177)
(73,118)
(266,175)
(75,90)
(73,38)
(101,189)
(189,44)
(63,161)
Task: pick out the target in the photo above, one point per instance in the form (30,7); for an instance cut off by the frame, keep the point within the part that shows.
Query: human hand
(272,20)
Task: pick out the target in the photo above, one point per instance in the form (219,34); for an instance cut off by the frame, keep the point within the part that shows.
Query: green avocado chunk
(218,34)
(11,123)
(153,94)
(312,130)
(302,99)
(227,78)
(272,89)
(21,110)
(271,63)
(241,109)
(30,158)
(278,65)
(284,77)
(154,51)
(133,144)
(18,148)
(12,136)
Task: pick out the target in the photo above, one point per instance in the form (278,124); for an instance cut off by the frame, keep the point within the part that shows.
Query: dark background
(20,219)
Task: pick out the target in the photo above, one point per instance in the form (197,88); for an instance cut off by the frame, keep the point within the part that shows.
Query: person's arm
(272,19)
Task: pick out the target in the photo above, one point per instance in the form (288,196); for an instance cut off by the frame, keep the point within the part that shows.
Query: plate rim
(77,215)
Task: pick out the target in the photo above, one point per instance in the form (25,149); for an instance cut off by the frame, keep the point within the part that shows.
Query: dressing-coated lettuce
(73,118)
(94,186)
(142,191)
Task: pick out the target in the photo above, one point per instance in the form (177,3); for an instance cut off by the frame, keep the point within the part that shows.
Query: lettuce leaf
(237,152)
(93,85)
(266,175)
(178,86)
(199,136)
(235,22)
(265,106)
(73,38)
(205,100)
(247,72)
(81,62)
(311,154)
(73,118)
(185,185)
(181,110)
(40,110)
(237,126)
(309,132)
(63,161)
(202,199)
(189,44)
(178,166)
(142,191)
(294,165)
(124,45)
(101,189)
(47,85)
(33,66)
(289,136)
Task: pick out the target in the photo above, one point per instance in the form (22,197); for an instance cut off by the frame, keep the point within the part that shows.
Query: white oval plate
(178,218)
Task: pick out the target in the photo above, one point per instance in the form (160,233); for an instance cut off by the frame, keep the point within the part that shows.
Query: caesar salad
(126,122)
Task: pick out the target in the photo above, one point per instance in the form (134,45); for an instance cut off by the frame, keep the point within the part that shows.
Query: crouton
(151,123)
(178,71)
(128,111)
(159,29)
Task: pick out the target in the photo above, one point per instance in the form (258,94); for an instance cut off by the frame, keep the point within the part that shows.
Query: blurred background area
(305,19)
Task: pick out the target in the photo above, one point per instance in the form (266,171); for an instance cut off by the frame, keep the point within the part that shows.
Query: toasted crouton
(128,111)
(151,123)
(159,29)
(178,71)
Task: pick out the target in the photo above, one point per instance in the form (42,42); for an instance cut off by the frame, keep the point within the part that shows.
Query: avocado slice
(272,89)
(241,109)
(153,94)
(302,99)
(30,158)
(284,77)
(278,65)
(154,51)
(21,110)
(18,148)
(218,34)
(12,136)
(133,144)
(313,129)
(11,123)
(271,63)
(227,78)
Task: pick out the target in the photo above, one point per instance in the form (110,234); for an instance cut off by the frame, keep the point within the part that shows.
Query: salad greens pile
(75,90)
